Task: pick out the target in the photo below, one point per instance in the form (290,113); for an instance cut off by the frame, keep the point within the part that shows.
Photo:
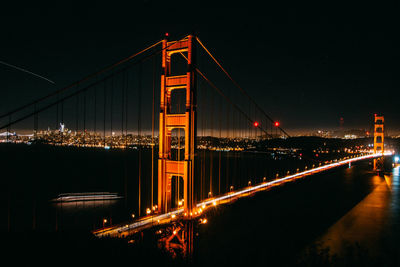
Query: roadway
(146,222)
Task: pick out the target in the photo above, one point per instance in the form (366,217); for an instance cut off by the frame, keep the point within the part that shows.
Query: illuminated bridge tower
(378,142)
(168,168)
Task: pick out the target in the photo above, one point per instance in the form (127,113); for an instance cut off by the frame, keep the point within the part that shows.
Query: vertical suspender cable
(139,135)
(95,116)
(122,102)
(203,126)
(152,131)
(8,128)
(35,122)
(227,136)
(111,111)
(77,117)
(126,137)
(62,121)
(84,118)
(211,138)
(219,146)
(104,113)
(57,108)
(125,107)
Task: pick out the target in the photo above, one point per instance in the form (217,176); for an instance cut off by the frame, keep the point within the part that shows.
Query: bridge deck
(122,230)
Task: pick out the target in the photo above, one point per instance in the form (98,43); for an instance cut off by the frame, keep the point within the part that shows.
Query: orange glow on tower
(167,168)
(378,141)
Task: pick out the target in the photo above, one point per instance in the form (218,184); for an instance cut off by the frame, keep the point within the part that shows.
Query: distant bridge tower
(378,142)
(168,168)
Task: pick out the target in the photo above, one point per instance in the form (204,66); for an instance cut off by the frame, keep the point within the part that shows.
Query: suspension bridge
(198,156)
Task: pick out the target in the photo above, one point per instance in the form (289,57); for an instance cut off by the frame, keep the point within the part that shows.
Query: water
(34,175)
(371,227)
(343,215)
(347,215)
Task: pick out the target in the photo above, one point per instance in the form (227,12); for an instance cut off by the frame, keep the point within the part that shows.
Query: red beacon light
(166,34)
(256,124)
(276,123)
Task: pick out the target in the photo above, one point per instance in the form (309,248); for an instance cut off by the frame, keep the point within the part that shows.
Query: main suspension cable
(237,85)
(229,100)
(82,80)
(226,97)
(76,92)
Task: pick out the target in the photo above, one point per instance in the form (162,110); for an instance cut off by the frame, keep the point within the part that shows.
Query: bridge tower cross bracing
(167,167)
(378,141)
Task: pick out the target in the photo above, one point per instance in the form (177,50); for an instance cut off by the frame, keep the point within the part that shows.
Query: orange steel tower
(168,168)
(378,142)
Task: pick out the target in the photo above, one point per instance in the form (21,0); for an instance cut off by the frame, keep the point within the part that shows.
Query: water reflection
(85,214)
(366,225)
(395,187)
(178,239)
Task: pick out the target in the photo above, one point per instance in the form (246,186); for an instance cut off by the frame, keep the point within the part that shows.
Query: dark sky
(306,65)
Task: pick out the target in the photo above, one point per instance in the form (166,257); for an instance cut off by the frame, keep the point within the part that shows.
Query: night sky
(307,66)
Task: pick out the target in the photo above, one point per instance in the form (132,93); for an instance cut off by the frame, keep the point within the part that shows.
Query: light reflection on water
(395,187)
(370,222)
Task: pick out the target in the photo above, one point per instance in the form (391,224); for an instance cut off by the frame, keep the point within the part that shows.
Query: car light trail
(149,221)
(287,178)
